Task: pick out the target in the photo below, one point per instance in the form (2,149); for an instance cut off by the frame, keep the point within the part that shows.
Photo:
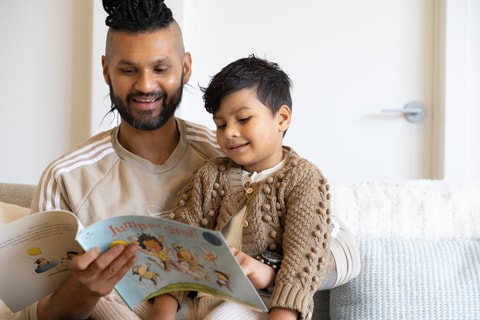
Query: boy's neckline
(251,177)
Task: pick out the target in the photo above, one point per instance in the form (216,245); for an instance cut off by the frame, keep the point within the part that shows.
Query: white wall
(54,96)
(45,66)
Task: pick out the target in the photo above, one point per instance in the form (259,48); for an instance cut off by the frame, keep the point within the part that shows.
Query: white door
(348,60)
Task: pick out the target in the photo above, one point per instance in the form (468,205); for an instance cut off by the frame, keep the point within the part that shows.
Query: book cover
(173,256)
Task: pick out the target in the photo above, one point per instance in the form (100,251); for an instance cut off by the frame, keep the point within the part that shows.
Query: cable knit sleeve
(306,236)
(196,200)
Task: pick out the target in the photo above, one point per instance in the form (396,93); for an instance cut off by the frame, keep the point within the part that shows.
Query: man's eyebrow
(131,63)
(126,62)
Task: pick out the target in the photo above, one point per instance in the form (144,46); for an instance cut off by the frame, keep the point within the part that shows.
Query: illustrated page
(36,253)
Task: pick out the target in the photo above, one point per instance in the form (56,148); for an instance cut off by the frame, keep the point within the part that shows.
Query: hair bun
(110,6)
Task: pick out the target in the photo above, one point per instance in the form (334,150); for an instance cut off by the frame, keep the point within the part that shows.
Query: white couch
(419,245)
(420,250)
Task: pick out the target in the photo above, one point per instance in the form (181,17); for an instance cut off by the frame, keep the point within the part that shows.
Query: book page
(36,252)
(173,257)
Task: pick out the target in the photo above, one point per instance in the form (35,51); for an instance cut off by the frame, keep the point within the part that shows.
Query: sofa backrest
(414,209)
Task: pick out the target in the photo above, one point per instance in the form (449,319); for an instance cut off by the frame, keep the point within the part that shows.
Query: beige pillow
(10,212)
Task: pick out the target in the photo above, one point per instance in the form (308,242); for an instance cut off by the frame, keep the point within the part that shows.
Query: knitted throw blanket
(417,209)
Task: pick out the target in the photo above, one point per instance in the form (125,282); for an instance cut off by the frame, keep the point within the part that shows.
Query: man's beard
(146,121)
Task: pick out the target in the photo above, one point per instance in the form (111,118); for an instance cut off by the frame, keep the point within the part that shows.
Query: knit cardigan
(288,212)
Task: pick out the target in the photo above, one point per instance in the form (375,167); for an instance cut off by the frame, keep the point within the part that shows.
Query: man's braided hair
(137,15)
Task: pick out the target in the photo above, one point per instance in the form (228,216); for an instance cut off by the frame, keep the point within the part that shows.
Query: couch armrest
(19,194)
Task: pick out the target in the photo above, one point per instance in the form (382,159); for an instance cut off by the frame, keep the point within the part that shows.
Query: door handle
(413,111)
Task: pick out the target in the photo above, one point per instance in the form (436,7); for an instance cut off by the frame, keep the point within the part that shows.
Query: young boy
(271,205)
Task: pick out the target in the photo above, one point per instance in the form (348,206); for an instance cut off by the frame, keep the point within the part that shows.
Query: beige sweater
(287,212)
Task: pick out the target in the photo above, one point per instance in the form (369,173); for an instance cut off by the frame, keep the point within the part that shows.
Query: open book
(36,253)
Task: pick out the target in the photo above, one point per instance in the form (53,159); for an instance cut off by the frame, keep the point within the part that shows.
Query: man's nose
(146,82)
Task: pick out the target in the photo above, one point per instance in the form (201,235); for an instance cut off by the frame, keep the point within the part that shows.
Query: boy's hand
(164,307)
(260,275)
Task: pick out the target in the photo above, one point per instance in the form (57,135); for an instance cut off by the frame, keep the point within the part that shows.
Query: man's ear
(284,116)
(105,69)
(187,67)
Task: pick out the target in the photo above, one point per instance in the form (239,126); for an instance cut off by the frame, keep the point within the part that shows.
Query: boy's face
(248,132)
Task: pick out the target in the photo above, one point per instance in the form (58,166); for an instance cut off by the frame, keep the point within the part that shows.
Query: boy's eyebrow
(236,111)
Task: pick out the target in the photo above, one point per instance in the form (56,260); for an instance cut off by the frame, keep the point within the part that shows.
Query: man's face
(146,73)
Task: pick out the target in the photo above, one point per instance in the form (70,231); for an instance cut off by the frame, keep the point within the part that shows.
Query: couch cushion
(10,212)
(412,279)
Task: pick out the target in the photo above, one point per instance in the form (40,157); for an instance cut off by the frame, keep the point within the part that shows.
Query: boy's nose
(231,131)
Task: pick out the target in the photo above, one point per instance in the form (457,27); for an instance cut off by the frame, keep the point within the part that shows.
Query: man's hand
(94,276)
(97,274)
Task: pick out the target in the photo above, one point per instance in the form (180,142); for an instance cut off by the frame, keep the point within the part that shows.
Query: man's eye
(161,69)
(127,70)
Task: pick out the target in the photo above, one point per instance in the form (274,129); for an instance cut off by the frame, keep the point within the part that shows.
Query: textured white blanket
(417,209)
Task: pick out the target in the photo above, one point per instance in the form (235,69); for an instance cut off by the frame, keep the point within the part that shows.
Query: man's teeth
(145,100)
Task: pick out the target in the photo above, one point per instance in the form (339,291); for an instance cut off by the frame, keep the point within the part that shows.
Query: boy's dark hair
(137,15)
(272,84)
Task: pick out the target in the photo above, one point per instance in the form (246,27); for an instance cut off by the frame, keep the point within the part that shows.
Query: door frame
(457,65)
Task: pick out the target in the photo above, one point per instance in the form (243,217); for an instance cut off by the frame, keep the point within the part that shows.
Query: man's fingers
(81,262)
(116,261)
(113,263)
(118,268)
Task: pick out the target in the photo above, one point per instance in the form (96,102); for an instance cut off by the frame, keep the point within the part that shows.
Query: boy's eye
(243,119)
(219,123)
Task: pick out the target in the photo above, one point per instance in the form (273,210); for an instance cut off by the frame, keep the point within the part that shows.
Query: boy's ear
(284,115)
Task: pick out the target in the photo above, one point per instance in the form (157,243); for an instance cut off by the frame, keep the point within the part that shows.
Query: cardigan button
(245,224)
(267,218)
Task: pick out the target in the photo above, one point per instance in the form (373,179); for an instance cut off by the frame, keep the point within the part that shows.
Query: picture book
(37,251)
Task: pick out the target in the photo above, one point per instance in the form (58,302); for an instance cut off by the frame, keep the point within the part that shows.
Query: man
(135,168)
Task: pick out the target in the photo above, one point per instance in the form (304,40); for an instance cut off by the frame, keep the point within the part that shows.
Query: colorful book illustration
(36,252)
